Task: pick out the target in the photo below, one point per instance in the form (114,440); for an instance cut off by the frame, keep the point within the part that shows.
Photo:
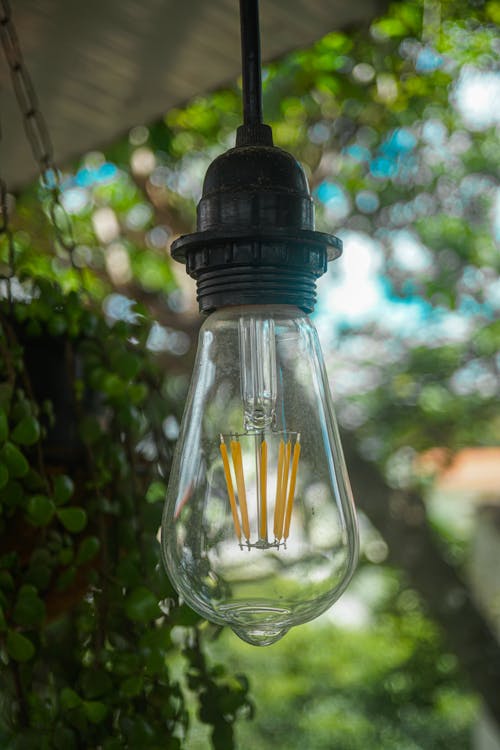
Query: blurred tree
(384,681)
(388,122)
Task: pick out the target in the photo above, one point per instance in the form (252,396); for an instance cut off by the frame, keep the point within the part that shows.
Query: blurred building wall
(486,737)
(469,487)
(485,577)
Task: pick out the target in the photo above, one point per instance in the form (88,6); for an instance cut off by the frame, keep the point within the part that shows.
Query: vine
(86,610)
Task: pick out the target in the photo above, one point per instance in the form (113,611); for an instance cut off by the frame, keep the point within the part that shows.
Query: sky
(355,293)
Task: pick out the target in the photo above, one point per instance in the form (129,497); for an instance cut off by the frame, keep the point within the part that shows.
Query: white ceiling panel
(102,66)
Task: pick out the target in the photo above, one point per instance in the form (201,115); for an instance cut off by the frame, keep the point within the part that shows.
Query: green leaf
(95,683)
(69,699)
(29,608)
(39,575)
(156,641)
(138,392)
(40,510)
(95,711)
(21,409)
(390,27)
(15,461)
(141,605)
(493,11)
(34,483)
(132,686)
(3,624)
(129,572)
(156,492)
(66,555)
(125,664)
(184,616)
(27,590)
(73,519)
(88,549)
(222,735)
(63,489)
(90,430)
(27,431)
(113,385)
(19,647)
(161,584)
(127,365)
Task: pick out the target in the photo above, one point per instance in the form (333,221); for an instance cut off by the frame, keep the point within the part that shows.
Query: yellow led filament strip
(286,482)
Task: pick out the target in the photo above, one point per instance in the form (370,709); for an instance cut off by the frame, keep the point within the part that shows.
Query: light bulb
(259,529)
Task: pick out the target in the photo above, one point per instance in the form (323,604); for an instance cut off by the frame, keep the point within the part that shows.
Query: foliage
(385,682)
(86,610)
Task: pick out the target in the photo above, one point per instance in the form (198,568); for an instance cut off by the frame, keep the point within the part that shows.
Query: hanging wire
(36,130)
(253,131)
(250,62)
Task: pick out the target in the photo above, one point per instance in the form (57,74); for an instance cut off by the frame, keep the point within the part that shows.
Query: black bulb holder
(255,241)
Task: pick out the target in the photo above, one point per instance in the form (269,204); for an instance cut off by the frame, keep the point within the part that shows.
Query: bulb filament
(240,484)
(284,496)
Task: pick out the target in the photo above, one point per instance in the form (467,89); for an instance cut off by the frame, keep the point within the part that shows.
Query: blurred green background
(397,126)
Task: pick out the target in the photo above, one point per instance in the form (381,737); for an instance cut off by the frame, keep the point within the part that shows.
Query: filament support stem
(251,529)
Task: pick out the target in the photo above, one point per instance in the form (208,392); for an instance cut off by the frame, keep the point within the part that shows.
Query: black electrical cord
(253,131)
(250,62)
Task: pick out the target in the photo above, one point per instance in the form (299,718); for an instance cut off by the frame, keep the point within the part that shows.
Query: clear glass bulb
(259,530)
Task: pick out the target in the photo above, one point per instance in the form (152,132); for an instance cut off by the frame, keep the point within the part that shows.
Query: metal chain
(36,130)
(6,231)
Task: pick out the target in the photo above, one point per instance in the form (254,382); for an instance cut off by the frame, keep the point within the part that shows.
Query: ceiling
(102,66)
